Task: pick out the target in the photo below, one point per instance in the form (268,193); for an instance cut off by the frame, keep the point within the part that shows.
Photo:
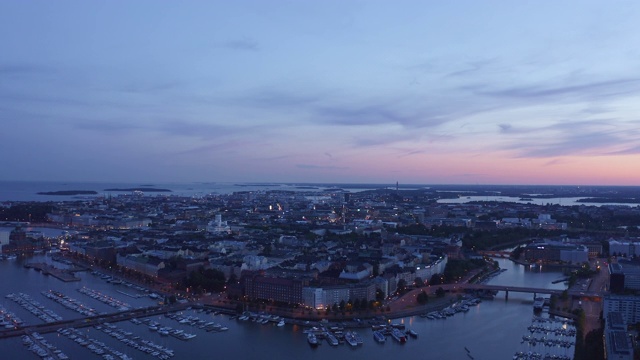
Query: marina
(188,330)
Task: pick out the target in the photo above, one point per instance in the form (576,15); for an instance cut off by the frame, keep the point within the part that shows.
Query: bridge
(522,289)
(495,253)
(92,320)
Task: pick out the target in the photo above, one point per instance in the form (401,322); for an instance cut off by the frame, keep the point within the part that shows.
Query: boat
(312,339)
(350,338)
(398,336)
(538,304)
(412,333)
(332,339)
(378,336)
(281,323)
(358,338)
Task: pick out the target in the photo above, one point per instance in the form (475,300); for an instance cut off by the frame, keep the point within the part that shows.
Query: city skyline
(343,92)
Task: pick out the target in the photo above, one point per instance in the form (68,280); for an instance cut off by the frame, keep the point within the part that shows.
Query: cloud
(555,162)
(589,90)
(468,175)
(24,69)
(573,138)
(633,150)
(320,167)
(216,148)
(169,127)
(472,67)
(151,87)
(378,114)
(244,44)
(572,144)
(505,128)
(108,126)
(409,152)
(277,99)
(196,129)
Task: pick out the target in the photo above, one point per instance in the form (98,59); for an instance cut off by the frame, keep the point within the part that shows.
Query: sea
(493,329)
(11,191)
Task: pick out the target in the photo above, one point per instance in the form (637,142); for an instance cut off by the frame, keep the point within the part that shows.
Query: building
(283,290)
(143,264)
(624,275)
(627,305)
(326,296)
(218,226)
(555,251)
(618,345)
(624,248)
(4,236)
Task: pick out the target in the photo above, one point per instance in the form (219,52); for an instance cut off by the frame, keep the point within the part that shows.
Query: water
(564,201)
(28,190)
(491,330)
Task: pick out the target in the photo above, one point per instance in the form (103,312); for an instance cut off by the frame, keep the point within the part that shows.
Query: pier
(91,320)
(46,269)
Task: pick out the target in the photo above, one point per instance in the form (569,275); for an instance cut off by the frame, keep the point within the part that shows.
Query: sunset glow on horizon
(420,92)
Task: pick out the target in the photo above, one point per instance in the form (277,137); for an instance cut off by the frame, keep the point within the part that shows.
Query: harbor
(188,330)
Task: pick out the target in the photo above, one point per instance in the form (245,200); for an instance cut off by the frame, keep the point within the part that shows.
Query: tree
(232,279)
(402,286)
(440,292)
(422,298)
(380,295)
(341,305)
(205,280)
(363,303)
(436,279)
(266,251)
(418,282)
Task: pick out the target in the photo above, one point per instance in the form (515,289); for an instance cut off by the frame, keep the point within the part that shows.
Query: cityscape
(339,179)
(323,261)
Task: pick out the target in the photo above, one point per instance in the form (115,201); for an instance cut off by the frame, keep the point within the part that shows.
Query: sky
(416,92)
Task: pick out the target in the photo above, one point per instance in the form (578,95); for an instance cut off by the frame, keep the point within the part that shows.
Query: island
(148,189)
(69,192)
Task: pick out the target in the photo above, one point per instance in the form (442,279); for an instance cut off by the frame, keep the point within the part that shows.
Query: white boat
(398,336)
(538,304)
(281,323)
(312,339)
(350,338)
(379,336)
(331,339)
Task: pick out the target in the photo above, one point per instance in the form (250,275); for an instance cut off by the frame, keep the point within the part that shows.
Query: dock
(46,269)
(91,320)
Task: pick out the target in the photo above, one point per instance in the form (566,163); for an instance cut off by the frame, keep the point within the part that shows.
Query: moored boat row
(34,307)
(111,301)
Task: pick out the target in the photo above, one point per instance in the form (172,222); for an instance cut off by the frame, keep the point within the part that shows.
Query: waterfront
(491,330)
